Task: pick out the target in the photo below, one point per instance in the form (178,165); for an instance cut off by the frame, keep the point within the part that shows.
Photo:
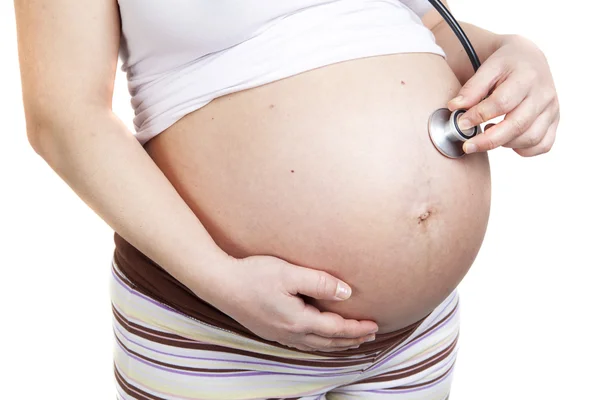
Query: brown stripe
(179,367)
(152,280)
(123,320)
(434,326)
(439,378)
(181,342)
(413,369)
(132,390)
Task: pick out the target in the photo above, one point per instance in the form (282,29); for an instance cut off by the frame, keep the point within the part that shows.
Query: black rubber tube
(460,34)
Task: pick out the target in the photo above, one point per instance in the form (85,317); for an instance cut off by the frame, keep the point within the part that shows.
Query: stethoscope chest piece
(445,135)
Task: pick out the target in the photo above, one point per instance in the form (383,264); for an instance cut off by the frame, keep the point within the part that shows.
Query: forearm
(484,42)
(107,168)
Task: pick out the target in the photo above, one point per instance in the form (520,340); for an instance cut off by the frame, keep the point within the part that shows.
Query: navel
(423,217)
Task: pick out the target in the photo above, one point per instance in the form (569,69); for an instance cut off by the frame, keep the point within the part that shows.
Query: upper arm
(68,53)
(433,18)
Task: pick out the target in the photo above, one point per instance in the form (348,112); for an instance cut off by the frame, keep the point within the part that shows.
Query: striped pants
(160,353)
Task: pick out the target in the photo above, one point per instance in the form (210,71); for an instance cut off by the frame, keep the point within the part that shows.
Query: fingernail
(470,148)
(370,338)
(374,330)
(457,99)
(464,124)
(342,291)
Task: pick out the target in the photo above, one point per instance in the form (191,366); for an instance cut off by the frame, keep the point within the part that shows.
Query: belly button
(423,217)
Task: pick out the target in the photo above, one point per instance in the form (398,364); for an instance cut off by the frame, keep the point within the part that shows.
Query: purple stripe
(220,359)
(450,360)
(411,344)
(383,391)
(220,374)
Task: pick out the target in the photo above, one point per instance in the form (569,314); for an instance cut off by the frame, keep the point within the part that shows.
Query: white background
(530,305)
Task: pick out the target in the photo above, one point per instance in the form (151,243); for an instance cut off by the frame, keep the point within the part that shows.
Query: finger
(503,100)
(316,284)
(332,344)
(544,146)
(331,325)
(514,124)
(491,73)
(536,132)
(299,347)
(303,347)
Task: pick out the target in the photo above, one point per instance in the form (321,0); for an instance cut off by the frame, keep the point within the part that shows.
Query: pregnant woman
(284,226)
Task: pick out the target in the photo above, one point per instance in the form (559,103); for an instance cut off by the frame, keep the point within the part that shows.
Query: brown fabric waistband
(152,280)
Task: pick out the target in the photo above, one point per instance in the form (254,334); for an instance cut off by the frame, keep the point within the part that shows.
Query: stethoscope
(443,124)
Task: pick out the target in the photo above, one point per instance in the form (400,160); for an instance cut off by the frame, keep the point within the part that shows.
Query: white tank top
(181,54)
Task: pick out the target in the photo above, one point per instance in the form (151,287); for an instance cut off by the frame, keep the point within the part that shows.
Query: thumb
(317,284)
(479,86)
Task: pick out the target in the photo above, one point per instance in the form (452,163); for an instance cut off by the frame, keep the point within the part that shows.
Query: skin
(70,124)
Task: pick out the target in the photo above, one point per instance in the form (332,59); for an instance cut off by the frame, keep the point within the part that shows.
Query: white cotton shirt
(181,54)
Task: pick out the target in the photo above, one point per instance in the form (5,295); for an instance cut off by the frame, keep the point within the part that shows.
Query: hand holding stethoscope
(522,87)
(514,81)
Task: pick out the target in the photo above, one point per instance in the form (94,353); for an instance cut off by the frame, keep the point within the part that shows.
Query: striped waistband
(161,353)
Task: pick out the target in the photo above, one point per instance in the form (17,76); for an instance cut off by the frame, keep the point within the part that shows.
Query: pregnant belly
(333,169)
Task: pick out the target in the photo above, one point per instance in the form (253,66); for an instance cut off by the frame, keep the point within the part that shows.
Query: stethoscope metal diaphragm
(445,134)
